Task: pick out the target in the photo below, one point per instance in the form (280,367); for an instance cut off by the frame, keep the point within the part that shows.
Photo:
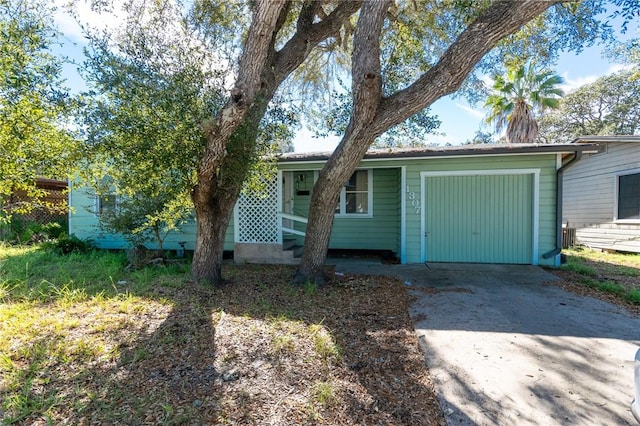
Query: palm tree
(518,97)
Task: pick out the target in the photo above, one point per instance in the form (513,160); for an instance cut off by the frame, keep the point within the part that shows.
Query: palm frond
(517,95)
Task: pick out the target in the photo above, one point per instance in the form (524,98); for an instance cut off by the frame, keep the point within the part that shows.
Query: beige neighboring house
(601,195)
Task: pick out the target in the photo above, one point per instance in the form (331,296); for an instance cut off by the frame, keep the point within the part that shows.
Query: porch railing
(293,218)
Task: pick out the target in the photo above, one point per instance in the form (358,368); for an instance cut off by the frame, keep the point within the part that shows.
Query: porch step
(297,251)
(292,247)
(288,243)
(291,244)
(264,253)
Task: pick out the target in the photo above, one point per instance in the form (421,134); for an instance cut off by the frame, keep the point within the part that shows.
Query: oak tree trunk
(212,222)
(367,92)
(231,135)
(324,199)
(373,114)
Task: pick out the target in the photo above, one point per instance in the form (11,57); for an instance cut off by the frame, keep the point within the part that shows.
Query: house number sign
(415,201)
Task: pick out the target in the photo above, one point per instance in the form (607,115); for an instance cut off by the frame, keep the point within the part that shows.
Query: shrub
(67,244)
(24,232)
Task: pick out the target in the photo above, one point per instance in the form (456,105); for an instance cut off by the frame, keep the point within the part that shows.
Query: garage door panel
(479,218)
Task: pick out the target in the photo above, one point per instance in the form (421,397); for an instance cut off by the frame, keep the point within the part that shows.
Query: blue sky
(460,121)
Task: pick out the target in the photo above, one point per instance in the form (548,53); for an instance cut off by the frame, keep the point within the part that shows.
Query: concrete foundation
(263,253)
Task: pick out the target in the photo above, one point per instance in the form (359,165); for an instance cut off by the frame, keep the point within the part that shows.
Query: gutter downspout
(577,155)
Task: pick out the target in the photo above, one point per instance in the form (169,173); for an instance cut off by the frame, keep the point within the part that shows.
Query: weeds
(576,264)
(612,273)
(82,341)
(310,288)
(323,342)
(323,393)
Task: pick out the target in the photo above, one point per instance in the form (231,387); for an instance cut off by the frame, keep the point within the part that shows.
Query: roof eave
(605,139)
(453,152)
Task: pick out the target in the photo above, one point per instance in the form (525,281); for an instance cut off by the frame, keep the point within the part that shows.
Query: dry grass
(614,277)
(161,350)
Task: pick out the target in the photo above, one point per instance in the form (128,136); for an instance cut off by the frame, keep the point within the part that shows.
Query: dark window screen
(629,196)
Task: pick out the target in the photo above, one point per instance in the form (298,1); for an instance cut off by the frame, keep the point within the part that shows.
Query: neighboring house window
(629,196)
(356,196)
(106,203)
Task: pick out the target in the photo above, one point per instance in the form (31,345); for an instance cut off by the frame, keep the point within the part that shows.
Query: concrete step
(288,243)
(297,251)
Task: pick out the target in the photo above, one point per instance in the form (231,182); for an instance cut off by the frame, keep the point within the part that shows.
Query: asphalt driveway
(504,348)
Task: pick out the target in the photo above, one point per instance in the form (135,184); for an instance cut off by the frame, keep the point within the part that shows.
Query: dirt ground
(257,351)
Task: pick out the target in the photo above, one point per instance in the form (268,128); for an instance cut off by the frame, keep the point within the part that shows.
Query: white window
(106,203)
(356,197)
(628,205)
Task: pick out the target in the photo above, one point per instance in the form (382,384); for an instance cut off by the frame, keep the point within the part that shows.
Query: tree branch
(256,52)
(499,20)
(307,13)
(267,14)
(366,70)
(308,35)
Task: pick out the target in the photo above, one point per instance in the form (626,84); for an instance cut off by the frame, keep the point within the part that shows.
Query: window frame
(342,202)
(616,195)
(98,203)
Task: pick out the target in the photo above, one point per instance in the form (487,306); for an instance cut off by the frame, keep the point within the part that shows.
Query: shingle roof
(605,139)
(449,151)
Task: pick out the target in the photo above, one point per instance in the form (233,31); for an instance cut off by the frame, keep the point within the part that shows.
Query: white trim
(318,169)
(403,215)
(481,172)
(616,188)
(423,212)
(236,228)
(279,205)
(500,172)
(70,207)
(343,198)
(297,218)
(437,157)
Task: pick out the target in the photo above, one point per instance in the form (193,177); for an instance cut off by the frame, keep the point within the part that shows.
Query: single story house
(474,203)
(602,194)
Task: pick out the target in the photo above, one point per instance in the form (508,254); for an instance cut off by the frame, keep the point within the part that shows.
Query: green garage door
(479,218)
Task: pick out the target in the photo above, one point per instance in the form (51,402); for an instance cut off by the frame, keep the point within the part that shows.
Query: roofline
(466,151)
(46,183)
(606,139)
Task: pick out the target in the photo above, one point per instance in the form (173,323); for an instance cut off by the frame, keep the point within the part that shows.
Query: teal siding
(379,232)
(546,163)
(382,230)
(486,219)
(83,223)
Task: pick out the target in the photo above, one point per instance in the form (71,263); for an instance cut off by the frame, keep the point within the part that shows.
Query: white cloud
(71,16)
(306,142)
(471,111)
(487,80)
(571,84)
(614,68)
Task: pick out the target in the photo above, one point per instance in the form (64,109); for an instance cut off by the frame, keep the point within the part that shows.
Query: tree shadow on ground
(512,352)
(256,352)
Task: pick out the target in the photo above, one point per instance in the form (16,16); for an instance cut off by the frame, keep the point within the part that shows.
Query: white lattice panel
(258,214)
